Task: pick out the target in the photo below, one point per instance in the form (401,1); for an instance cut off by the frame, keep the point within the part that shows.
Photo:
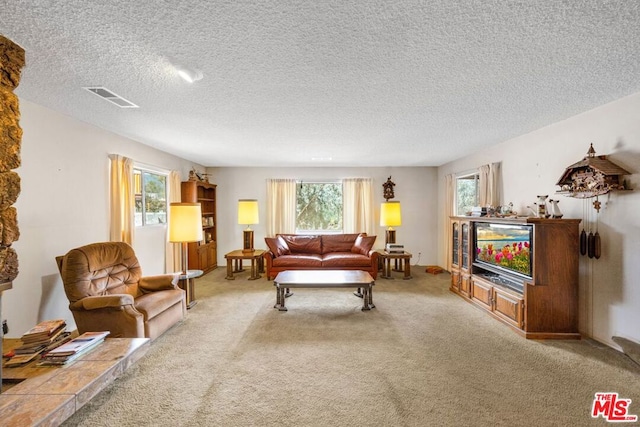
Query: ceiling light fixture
(189,75)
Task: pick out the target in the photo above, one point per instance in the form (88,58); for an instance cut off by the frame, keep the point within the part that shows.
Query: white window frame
(155,171)
(466,175)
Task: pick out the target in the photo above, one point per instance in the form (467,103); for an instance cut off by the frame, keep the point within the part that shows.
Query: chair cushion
(154,303)
(363,244)
(100,269)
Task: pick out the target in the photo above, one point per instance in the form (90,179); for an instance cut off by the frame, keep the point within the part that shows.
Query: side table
(234,263)
(187,282)
(400,258)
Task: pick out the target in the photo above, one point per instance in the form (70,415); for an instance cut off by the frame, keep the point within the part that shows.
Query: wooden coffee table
(286,280)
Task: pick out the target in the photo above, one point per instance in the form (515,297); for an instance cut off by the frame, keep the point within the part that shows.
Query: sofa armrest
(374,255)
(102,301)
(162,282)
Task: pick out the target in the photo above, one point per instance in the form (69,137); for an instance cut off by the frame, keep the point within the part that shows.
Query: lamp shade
(248,211)
(185,222)
(390,215)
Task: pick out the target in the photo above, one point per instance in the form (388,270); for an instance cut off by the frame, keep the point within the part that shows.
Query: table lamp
(390,216)
(248,214)
(185,226)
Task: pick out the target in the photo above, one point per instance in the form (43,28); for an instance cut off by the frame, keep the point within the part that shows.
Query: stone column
(11,64)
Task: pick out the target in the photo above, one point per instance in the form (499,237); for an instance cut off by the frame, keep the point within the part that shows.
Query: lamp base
(247,239)
(389,237)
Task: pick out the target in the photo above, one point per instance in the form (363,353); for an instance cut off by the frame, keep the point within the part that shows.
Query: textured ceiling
(296,82)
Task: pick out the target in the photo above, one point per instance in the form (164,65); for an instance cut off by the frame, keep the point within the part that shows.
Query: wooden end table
(187,283)
(400,258)
(234,263)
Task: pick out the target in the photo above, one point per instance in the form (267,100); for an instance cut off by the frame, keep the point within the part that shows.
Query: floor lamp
(247,214)
(185,226)
(390,216)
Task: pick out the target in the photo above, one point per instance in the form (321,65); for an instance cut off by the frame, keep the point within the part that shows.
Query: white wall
(609,292)
(415,189)
(63,204)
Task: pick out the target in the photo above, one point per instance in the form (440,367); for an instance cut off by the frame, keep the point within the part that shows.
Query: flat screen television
(504,248)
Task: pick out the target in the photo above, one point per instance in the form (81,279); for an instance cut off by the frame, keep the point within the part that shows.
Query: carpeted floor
(423,357)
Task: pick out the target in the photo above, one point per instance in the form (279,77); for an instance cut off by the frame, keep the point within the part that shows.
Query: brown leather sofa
(320,252)
(106,292)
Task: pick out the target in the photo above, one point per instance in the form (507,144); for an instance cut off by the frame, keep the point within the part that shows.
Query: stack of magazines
(43,337)
(73,349)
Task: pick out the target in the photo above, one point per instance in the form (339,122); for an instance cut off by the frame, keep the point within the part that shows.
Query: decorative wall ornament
(388,189)
(592,176)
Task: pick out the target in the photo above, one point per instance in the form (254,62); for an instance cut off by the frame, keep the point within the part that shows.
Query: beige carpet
(423,357)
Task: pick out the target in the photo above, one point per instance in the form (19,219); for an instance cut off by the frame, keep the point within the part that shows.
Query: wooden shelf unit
(203,255)
(547,308)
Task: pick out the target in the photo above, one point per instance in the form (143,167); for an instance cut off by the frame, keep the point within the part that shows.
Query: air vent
(105,93)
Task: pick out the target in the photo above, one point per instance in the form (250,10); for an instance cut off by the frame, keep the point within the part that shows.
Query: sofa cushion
(298,260)
(363,244)
(338,242)
(345,259)
(277,246)
(303,244)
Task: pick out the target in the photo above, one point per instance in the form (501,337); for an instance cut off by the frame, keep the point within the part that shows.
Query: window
(151,198)
(319,207)
(466,193)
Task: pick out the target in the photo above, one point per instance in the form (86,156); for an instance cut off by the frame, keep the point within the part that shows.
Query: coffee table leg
(282,301)
(371,304)
(277,295)
(365,299)
(358,293)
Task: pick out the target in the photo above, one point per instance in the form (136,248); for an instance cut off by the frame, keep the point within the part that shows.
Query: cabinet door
(465,285)
(455,280)
(464,245)
(455,244)
(212,255)
(203,257)
(481,293)
(508,307)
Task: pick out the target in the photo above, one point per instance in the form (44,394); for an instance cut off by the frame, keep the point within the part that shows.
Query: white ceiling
(364,83)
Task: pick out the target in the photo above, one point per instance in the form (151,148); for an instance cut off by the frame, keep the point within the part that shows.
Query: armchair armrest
(103,301)
(160,282)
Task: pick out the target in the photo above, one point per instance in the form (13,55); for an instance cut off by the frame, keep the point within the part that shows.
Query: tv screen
(505,247)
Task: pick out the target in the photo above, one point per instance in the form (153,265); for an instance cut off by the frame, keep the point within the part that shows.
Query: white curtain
(281,206)
(357,201)
(489,185)
(172,252)
(121,200)
(449,197)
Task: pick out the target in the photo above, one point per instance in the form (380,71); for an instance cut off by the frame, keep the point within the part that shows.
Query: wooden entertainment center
(546,306)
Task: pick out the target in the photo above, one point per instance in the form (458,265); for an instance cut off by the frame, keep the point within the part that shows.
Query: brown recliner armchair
(107,293)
